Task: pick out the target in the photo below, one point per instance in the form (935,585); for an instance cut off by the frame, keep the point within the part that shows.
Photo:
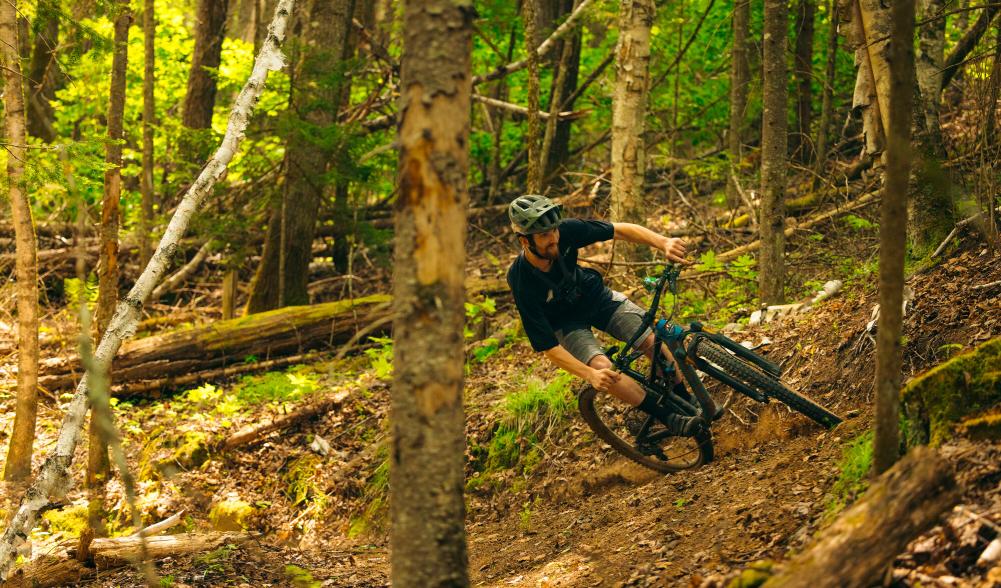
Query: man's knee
(600,362)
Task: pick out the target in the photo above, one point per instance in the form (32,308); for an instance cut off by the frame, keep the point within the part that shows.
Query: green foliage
(300,577)
(287,386)
(856,462)
(215,561)
(70,520)
(537,408)
(858,223)
(301,486)
(77,291)
(381,357)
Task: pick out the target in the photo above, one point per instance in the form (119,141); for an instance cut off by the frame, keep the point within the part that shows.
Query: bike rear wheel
(609,418)
(764,383)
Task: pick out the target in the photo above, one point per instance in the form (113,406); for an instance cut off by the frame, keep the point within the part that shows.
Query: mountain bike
(695,348)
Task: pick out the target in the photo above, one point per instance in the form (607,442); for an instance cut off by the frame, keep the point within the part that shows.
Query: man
(559,302)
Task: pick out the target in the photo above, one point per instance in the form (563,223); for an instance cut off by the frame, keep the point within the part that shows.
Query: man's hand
(674,249)
(602,379)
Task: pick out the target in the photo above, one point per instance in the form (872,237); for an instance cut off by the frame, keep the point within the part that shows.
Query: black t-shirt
(538,296)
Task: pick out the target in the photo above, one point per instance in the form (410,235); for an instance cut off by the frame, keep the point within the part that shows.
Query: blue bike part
(668,331)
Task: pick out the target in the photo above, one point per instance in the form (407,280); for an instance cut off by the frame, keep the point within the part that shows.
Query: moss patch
(983,427)
(230,515)
(192,450)
(755,575)
(70,520)
(966,384)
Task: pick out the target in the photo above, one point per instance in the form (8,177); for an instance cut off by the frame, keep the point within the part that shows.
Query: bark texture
(866,101)
(568,70)
(801,148)
(210,28)
(827,102)
(771,278)
(310,150)
(892,240)
(426,467)
(43,71)
(931,210)
(533,134)
(18,465)
(740,78)
(266,335)
(98,463)
(629,98)
(149,113)
(864,540)
(53,479)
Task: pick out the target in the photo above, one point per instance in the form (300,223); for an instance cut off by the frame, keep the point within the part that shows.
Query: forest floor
(569,511)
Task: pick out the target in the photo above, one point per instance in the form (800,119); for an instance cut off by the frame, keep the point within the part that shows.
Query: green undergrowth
(372,515)
(302,484)
(855,464)
(527,419)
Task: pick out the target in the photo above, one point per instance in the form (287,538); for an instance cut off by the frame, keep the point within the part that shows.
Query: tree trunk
(98,465)
(288,331)
(629,98)
(827,102)
(426,467)
(53,479)
(954,62)
(533,134)
(149,114)
(42,73)
(857,548)
(931,210)
(210,28)
(801,149)
(892,239)
(569,68)
(18,465)
(928,68)
(771,277)
(740,78)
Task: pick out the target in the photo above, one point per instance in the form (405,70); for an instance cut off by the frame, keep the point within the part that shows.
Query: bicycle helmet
(531,214)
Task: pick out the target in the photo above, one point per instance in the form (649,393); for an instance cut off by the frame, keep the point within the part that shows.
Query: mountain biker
(559,301)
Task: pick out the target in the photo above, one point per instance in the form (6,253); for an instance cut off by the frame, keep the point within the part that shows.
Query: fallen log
(857,548)
(257,432)
(265,336)
(61,568)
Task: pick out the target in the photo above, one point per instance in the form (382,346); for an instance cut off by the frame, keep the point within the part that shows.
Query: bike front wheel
(764,383)
(614,422)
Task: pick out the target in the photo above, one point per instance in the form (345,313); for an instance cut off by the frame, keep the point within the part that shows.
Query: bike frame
(673,337)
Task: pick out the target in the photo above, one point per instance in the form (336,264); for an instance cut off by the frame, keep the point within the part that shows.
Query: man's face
(546,244)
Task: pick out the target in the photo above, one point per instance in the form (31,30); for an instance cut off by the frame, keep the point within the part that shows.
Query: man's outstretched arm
(673,248)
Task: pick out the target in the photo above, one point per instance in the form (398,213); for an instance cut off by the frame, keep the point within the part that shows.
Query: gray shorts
(579,339)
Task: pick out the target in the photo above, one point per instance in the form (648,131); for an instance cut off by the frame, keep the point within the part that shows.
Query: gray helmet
(532,214)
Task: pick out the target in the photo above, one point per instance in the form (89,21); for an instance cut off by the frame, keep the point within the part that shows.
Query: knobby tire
(585,403)
(713,353)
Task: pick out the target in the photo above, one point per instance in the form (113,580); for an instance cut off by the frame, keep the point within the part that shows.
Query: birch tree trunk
(568,69)
(931,210)
(740,78)
(805,16)
(928,68)
(865,99)
(533,134)
(53,479)
(426,468)
(149,113)
(892,239)
(629,98)
(18,465)
(771,277)
(98,464)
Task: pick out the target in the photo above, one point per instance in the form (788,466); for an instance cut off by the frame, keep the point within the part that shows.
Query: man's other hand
(602,379)
(674,249)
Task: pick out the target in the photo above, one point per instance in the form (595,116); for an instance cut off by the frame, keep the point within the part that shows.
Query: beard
(551,252)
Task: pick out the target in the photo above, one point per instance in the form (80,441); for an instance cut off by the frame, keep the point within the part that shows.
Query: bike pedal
(648,449)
